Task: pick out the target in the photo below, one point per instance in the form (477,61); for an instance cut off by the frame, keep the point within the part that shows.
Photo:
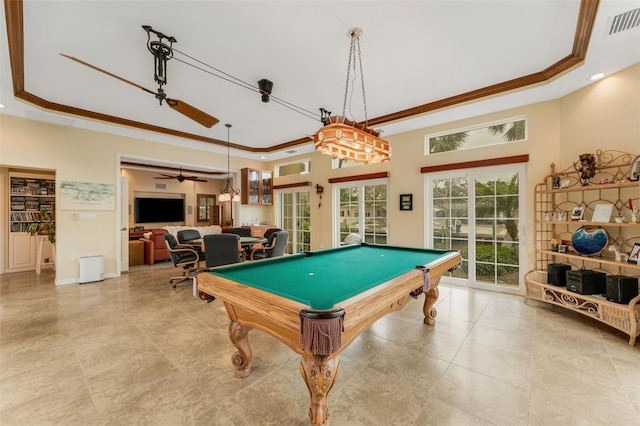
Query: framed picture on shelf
(602,213)
(634,256)
(577,213)
(564,184)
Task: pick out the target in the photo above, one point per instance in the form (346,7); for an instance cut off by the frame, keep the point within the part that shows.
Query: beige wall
(605,115)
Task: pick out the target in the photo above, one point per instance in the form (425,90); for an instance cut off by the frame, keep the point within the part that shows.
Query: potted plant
(45,224)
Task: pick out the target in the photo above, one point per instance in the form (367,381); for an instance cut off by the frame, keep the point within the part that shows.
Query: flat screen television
(152,210)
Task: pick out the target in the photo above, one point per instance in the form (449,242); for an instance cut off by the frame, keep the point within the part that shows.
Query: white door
(124,224)
(480,212)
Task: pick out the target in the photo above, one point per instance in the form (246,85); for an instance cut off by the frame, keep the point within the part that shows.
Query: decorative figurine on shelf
(554,244)
(620,255)
(555,179)
(634,215)
(586,168)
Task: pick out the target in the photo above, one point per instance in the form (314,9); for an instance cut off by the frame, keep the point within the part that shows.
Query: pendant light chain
(355,46)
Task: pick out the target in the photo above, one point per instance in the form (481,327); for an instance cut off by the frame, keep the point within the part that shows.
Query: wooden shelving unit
(28,194)
(610,166)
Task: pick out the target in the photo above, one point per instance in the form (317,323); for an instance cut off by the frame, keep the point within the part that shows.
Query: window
(362,209)
(514,130)
(295,168)
(478,212)
(294,209)
(343,163)
(204,201)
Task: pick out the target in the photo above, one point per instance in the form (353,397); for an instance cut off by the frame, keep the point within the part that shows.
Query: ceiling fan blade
(195,179)
(108,73)
(166,177)
(192,112)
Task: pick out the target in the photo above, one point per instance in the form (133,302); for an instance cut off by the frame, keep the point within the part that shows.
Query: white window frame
(523,202)
(478,127)
(361,217)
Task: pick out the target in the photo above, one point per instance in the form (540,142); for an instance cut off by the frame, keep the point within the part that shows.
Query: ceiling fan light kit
(346,139)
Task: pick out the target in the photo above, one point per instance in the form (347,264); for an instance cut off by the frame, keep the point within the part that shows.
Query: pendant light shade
(343,138)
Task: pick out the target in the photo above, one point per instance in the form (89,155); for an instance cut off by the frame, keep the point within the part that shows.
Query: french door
(480,212)
(294,211)
(361,208)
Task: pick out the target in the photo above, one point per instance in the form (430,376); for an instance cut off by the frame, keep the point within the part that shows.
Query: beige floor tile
(133,350)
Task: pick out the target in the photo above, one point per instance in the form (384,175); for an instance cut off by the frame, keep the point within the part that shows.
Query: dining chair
(274,247)
(184,257)
(222,249)
(243,232)
(219,249)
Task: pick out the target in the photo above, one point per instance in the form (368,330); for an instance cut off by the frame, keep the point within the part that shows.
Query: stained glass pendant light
(346,139)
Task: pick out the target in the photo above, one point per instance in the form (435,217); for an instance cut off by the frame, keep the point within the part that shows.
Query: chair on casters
(220,249)
(270,231)
(243,232)
(181,256)
(274,247)
(188,237)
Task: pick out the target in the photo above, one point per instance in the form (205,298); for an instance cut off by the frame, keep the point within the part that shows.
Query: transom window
(499,132)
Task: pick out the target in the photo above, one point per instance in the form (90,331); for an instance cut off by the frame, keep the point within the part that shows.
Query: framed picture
(634,169)
(564,184)
(577,213)
(406,201)
(634,256)
(602,213)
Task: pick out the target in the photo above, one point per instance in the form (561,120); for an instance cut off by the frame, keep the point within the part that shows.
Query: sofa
(155,249)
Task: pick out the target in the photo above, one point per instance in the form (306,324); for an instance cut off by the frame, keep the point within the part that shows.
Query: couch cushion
(203,230)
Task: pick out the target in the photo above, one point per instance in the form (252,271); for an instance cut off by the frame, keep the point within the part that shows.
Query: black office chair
(220,249)
(274,247)
(185,257)
(189,237)
(270,231)
(243,232)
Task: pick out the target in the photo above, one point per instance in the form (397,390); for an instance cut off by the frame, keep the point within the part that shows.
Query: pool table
(318,302)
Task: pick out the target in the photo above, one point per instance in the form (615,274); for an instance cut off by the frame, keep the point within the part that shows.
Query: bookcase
(554,200)
(28,195)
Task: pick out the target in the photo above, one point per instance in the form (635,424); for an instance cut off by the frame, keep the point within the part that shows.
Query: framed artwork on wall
(406,201)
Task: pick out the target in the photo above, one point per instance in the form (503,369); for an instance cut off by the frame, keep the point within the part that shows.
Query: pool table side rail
(280,317)
(251,307)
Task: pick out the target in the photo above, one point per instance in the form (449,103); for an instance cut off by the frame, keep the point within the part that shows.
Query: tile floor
(133,350)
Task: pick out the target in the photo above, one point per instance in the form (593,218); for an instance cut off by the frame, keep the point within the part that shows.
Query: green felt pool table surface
(326,277)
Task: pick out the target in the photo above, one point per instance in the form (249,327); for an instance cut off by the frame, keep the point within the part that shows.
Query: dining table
(246,243)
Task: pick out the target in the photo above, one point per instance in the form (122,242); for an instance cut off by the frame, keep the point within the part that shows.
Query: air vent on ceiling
(291,151)
(625,21)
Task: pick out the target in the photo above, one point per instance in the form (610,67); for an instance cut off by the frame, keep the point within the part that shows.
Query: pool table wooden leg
(319,377)
(242,358)
(430,298)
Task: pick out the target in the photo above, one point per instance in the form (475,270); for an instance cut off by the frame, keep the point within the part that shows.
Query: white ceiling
(413,53)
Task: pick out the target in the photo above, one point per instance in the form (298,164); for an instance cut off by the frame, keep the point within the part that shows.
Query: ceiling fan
(180,177)
(161,52)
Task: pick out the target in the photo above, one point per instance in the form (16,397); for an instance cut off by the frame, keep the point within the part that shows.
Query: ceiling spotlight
(596,76)
(265,87)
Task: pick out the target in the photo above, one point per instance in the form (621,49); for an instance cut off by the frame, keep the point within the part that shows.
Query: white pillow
(147,235)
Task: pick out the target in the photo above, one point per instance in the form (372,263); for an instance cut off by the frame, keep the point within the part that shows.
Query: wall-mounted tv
(152,210)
